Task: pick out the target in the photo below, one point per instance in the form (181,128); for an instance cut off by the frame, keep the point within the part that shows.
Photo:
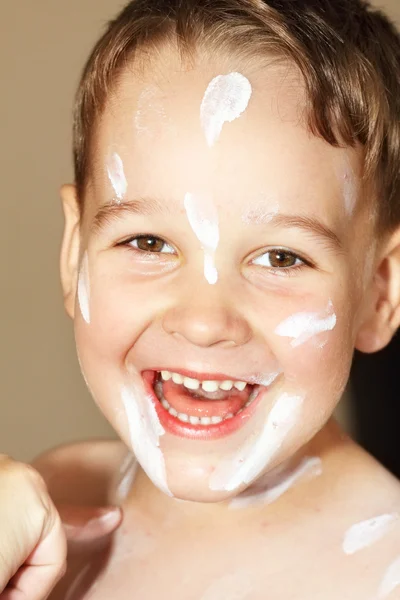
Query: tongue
(186,402)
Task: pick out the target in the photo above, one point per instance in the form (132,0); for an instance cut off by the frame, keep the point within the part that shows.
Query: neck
(290,482)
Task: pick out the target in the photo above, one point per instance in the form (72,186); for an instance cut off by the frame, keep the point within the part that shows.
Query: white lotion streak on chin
(364,534)
(145,431)
(84,289)
(247,464)
(238,586)
(308,468)
(116,175)
(203,218)
(391,579)
(226,98)
(303,326)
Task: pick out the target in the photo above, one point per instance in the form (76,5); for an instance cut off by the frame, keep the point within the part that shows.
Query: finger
(87,523)
(43,568)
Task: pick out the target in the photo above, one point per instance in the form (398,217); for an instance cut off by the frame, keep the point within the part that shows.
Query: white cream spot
(150,113)
(391,579)
(226,98)
(261,213)
(116,175)
(350,186)
(278,485)
(247,464)
(363,534)
(236,586)
(84,289)
(127,476)
(303,326)
(203,218)
(145,431)
(76,587)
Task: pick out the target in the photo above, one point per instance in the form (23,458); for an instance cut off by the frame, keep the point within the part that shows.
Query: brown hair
(348,55)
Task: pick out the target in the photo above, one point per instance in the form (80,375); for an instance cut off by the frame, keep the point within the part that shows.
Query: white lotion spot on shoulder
(363,534)
(145,431)
(391,579)
(303,326)
(84,289)
(236,586)
(226,98)
(116,175)
(203,218)
(247,464)
(278,485)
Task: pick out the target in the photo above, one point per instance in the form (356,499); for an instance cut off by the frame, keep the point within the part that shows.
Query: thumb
(88,523)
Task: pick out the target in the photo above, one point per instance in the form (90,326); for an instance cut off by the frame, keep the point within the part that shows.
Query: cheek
(120,311)
(313,345)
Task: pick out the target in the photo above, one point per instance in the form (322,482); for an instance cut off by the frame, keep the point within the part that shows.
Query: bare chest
(143,567)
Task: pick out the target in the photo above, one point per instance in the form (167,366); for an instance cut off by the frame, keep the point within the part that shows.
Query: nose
(207,322)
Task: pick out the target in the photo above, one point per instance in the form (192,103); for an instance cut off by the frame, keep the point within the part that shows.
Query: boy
(232,235)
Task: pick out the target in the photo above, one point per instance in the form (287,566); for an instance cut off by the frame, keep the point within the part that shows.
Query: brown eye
(150,243)
(278,259)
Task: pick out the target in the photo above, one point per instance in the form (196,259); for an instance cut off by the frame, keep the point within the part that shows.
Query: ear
(69,260)
(382,316)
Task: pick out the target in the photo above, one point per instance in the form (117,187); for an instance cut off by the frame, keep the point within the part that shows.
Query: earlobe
(70,250)
(382,317)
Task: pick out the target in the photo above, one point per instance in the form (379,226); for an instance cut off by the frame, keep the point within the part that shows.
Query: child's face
(259,260)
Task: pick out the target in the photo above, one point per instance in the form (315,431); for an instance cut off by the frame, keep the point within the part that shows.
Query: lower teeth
(205,421)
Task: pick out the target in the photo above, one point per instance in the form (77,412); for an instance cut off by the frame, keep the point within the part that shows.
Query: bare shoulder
(82,472)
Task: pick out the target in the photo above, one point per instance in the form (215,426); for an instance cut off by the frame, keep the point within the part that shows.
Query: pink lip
(199,432)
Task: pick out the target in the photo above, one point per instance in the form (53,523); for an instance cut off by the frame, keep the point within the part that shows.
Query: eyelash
(281,271)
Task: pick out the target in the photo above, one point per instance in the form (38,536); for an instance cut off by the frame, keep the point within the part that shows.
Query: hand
(33,534)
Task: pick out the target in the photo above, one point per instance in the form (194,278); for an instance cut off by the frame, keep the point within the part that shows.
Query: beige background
(43,45)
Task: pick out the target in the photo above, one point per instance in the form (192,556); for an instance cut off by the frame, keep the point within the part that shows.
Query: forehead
(153,123)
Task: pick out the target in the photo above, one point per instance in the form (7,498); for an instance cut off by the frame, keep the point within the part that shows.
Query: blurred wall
(43,45)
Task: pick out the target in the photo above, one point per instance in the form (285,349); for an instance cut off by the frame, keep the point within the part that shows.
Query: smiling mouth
(192,407)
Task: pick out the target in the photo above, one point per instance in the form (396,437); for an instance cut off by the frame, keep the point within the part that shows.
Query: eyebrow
(309,225)
(113,210)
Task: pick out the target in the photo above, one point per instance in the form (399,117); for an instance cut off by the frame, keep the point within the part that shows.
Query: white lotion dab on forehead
(364,534)
(203,218)
(303,326)
(145,431)
(116,175)
(84,289)
(226,98)
(247,464)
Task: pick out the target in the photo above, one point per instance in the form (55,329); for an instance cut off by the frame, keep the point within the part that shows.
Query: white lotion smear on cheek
(145,431)
(226,98)
(84,289)
(247,464)
(203,218)
(303,326)
(361,535)
(391,579)
(309,467)
(116,175)
(238,586)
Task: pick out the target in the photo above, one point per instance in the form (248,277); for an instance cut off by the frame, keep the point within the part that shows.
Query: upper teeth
(207,386)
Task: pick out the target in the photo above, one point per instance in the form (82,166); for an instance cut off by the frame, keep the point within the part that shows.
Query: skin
(147,312)
(34,534)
